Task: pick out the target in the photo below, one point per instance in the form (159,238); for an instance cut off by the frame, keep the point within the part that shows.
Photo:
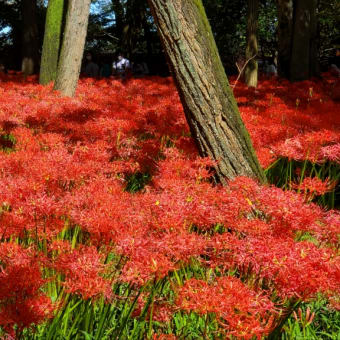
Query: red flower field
(71,228)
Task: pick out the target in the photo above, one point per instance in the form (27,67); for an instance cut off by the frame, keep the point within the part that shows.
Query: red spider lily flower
(21,299)
(331,152)
(297,270)
(313,186)
(69,163)
(243,312)
(162,310)
(84,270)
(164,337)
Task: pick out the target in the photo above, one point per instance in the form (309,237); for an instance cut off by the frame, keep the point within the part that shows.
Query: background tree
(30,37)
(285,35)
(118,9)
(15,20)
(208,101)
(304,53)
(51,45)
(72,47)
(297,35)
(251,70)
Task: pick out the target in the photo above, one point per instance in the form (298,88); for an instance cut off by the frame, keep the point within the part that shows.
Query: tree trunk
(119,18)
(208,101)
(285,35)
(304,53)
(297,34)
(73,46)
(251,71)
(51,45)
(30,37)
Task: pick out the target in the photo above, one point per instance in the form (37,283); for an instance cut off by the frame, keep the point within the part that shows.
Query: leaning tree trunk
(51,45)
(251,70)
(208,101)
(30,37)
(73,46)
(285,9)
(304,53)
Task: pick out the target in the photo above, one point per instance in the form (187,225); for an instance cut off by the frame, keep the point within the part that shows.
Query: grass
(283,172)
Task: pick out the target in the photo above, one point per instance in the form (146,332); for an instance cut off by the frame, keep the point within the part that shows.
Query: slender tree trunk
(251,71)
(30,44)
(285,35)
(73,46)
(208,101)
(119,18)
(304,53)
(51,45)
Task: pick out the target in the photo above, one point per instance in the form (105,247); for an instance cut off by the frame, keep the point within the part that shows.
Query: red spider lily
(69,163)
(241,311)
(313,187)
(304,319)
(164,337)
(294,269)
(22,302)
(84,269)
(162,311)
(334,301)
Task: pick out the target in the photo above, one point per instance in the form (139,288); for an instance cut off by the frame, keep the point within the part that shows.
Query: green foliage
(267,28)
(229,31)
(120,317)
(283,173)
(7,142)
(137,181)
(324,325)
(328,20)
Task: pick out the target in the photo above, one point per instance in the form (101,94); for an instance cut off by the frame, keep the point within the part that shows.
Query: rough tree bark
(30,37)
(303,63)
(208,101)
(251,70)
(73,46)
(51,45)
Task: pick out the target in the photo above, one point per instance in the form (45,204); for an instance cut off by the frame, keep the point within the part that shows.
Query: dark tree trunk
(51,45)
(303,63)
(285,35)
(208,101)
(251,71)
(73,46)
(297,35)
(30,37)
(119,18)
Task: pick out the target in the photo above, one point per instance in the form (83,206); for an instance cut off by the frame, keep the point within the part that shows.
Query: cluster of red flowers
(21,300)
(67,166)
(298,121)
(313,186)
(239,309)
